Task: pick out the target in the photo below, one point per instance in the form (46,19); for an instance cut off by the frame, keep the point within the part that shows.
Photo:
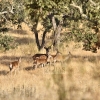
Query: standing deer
(39,61)
(39,55)
(42,61)
(14,66)
(58,57)
(41,58)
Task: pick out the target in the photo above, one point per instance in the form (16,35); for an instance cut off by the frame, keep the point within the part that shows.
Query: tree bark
(57,36)
(43,38)
(39,45)
(36,38)
(57,31)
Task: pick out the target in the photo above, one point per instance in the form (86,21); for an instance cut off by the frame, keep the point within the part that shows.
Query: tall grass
(75,79)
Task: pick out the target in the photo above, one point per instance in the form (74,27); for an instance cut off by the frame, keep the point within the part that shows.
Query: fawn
(13,66)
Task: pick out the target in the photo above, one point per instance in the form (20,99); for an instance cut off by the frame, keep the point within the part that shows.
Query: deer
(40,55)
(58,57)
(41,61)
(13,66)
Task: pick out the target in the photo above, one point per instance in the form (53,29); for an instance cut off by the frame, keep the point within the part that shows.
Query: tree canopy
(81,17)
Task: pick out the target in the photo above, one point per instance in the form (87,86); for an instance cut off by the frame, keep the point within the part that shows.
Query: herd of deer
(40,59)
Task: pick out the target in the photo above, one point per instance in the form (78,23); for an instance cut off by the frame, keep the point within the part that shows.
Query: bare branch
(4,17)
(80,9)
(96,5)
(11,9)
(4,12)
(76,6)
(92,2)
(54,23)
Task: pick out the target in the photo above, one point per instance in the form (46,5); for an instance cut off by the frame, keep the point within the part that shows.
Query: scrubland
(77,78)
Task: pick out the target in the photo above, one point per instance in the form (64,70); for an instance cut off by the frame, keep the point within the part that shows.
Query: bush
(7,42)
(89,39)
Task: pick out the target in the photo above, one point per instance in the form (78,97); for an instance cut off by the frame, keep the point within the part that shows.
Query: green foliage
(46,23)
(90,40)
(13,12)
(42,9)
(71,16)
(19,13)
(7,42)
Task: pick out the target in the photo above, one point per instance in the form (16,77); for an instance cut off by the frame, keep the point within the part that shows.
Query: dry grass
(75,79)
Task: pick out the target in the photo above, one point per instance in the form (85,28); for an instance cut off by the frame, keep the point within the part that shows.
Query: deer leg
(42,65)
(35,67)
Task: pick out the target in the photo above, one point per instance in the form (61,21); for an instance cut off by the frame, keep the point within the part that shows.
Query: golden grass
(75,79)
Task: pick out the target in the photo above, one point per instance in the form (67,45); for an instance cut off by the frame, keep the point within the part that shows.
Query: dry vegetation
(78,78)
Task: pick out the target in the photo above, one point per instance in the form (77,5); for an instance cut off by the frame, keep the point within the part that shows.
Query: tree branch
(92,2)
(54,23)
(80,9)
(4,12)
(96,5)
(11,10)
(43,38)
(36,38)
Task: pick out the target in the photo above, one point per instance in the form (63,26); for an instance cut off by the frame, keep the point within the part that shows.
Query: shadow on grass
(21,40)
(24,40)
(29,68)
(18,31)
(4,72)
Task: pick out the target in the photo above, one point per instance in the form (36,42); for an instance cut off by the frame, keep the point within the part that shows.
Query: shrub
(7,42)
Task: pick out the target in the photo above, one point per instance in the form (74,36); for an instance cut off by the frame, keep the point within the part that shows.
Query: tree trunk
(39,45)
(57,36)
(36,38)
(43,38)
(57,31)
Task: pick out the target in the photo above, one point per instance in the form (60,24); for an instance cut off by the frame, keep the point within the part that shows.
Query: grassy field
(78,78)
